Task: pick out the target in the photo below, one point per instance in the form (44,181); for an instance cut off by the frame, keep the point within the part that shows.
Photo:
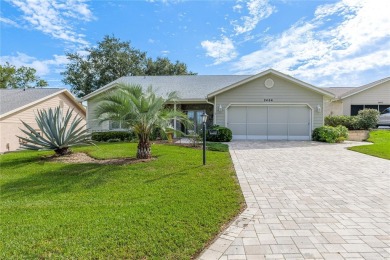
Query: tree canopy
(110,60)
(22,77)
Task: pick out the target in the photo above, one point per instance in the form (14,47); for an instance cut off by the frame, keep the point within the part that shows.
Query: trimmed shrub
(350,122)
(114,135)
(368,118)
(224,134)
(330,134)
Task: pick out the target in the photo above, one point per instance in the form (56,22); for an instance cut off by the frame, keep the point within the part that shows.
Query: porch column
(174,120)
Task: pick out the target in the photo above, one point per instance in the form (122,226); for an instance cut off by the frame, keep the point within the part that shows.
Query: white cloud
(9,21)
(165,1)
(320,49)
(222,50)
(258,10)
(43,67)
(55,17)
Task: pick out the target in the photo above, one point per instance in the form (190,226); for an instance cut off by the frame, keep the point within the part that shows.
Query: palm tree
(141,112)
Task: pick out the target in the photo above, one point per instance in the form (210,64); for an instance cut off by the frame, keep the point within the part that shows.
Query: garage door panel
(270,122)
(277,115)
(257,129)
(256,115)
(237,115)
(277,131)
(298,115)
(298,130)
(238,129)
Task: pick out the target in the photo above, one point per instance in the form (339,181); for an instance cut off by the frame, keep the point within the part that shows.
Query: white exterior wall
(333,107)
(9,125)
(283,92)
(371,96)
(92,121)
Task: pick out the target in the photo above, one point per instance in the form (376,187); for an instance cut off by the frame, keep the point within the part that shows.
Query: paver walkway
(307,200)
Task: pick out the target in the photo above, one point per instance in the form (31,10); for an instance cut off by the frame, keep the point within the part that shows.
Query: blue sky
(332,43)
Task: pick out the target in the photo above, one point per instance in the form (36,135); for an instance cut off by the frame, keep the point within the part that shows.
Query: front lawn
(381,146)
(168,208)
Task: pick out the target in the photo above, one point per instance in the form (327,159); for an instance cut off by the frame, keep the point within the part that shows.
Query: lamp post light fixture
(204,120)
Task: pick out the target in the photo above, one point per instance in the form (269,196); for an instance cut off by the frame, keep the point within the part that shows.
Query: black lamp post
(204,120)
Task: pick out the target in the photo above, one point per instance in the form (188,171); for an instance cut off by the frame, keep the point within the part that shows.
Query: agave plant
(57,132)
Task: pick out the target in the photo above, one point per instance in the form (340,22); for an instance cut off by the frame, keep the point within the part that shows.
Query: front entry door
(195,116)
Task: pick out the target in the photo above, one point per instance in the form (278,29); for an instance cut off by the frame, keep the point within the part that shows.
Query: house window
(116,125)
(356,108)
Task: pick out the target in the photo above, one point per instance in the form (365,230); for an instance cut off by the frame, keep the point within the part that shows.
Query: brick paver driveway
(307,200)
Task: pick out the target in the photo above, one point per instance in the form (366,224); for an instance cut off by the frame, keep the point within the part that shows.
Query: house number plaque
(268,100)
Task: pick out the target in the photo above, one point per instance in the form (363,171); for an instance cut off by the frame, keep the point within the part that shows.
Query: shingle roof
(187,86)
(11,99)
(339,91)
(364,87)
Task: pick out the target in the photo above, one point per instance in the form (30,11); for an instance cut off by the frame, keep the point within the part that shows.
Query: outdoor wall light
(318,108)
(220,108)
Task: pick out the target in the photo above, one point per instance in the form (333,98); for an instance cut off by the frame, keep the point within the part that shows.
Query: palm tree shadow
(67,178)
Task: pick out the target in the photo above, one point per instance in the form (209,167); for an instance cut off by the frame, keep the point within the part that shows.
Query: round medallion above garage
(268,83)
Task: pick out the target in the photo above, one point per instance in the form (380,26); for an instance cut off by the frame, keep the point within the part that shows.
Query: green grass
(211,146)
(381,146)
(168,208)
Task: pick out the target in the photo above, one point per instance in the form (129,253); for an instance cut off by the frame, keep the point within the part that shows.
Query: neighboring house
(266,106)
(349,101)
(20,104)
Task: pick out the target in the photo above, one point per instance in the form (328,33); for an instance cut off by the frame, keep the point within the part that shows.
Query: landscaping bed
(166,208)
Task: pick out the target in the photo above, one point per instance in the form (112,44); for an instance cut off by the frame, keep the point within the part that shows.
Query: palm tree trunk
(144,151)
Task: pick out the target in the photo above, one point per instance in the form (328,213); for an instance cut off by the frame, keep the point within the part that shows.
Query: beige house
(19,104)
(349,101)
(266,106)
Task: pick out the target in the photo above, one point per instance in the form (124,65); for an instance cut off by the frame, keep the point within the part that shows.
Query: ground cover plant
(167,208)
(381,146)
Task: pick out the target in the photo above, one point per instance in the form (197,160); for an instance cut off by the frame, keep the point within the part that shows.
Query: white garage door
(269,122)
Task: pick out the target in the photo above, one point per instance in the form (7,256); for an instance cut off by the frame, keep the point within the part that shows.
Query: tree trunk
(62,151)
(144,150)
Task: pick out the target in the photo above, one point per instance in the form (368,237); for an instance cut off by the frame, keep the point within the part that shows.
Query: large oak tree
(22,77)
(110,60)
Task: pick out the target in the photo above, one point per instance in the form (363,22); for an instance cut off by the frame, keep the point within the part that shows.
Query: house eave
(274,72)
(65,91)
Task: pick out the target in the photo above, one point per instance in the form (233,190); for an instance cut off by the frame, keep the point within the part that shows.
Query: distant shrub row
(113,136)
(366,119)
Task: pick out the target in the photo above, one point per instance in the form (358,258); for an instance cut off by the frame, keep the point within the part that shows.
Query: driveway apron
(307,200)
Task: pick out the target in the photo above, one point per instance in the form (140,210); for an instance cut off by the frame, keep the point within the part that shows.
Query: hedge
(111,136)
(366,119)
(224,134)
